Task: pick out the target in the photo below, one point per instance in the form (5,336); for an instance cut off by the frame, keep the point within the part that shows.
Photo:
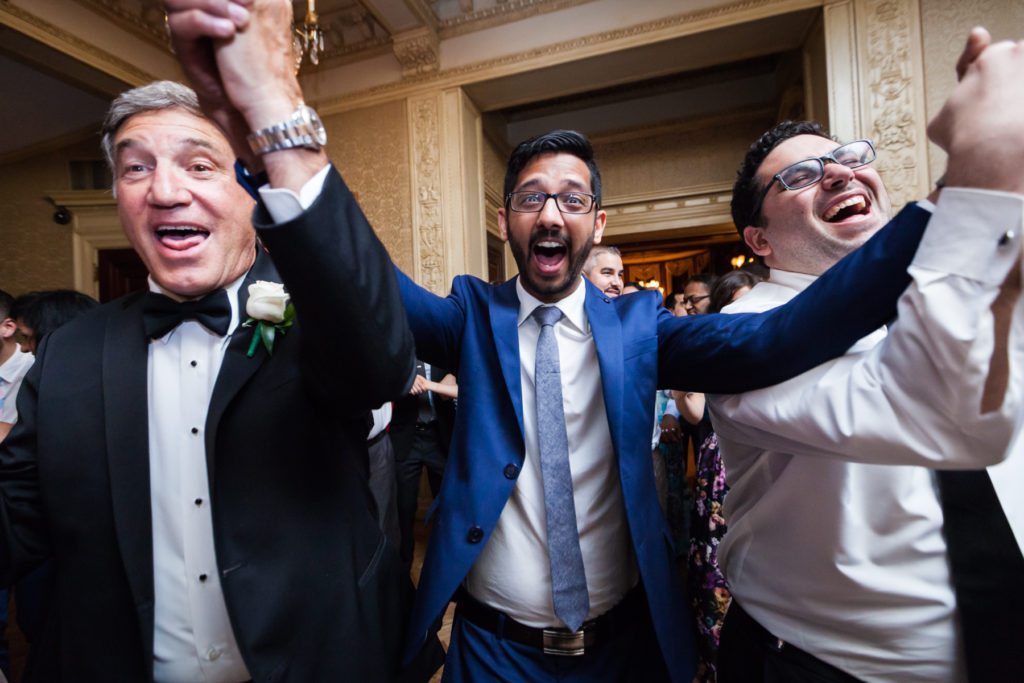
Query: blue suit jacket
(640,347)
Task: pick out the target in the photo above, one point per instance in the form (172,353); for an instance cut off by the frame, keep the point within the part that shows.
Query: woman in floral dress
(708,589)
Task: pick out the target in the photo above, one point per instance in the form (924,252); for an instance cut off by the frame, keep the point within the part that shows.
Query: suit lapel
(126,401)
(504,310)
(237,367)
(607,330)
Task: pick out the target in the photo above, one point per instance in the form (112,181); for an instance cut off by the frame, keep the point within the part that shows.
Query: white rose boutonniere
(271,311)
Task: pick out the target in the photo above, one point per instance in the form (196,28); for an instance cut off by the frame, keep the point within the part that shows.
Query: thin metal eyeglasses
(693,300)
(807,172)
(530,201)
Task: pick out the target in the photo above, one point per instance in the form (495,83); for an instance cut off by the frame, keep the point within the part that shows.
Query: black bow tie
(161,314)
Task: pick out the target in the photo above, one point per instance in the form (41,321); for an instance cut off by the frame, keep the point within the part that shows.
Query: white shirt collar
(571,306)
(787,278)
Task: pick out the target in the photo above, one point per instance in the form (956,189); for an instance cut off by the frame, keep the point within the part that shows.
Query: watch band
(302,129)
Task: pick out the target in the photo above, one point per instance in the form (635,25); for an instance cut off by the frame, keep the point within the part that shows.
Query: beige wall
(370,148)
(684,156)
(35,252)
(944,27)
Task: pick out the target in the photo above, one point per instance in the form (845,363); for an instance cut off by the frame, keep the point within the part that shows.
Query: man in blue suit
(601,587)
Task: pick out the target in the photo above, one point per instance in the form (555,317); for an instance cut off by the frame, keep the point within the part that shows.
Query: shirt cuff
(284,205)
(974,234)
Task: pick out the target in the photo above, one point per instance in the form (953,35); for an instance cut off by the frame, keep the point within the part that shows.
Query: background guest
(708,589)
(39,313)
(697,293)
(604,268)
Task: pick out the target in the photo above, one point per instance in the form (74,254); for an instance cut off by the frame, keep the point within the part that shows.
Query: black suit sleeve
(342,282)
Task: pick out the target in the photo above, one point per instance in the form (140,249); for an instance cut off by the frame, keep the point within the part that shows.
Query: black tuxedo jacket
(313,591)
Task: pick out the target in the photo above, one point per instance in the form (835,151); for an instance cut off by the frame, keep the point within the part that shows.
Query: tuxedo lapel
(607,330)
(125,374)
(504,310)
(237,367)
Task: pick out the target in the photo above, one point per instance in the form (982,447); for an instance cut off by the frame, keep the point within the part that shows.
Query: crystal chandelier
(308,38)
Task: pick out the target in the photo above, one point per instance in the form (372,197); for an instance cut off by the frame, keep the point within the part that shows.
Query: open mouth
(549,254)
(857,205)
(181,237)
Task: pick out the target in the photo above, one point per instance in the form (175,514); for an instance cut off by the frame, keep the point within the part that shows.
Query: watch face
(316,126)
(319,132)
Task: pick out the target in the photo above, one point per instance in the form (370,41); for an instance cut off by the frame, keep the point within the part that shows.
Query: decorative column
(449,234)
(876,85)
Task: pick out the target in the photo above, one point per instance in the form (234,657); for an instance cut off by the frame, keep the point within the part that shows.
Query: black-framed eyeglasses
(530,201)
(694,300)
(807,172)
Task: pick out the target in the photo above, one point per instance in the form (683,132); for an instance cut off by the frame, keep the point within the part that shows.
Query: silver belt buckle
(563,643)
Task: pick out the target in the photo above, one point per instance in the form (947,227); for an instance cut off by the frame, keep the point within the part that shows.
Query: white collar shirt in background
(12,372)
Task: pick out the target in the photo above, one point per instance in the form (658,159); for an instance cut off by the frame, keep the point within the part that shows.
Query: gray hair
(597,251)
(153,97)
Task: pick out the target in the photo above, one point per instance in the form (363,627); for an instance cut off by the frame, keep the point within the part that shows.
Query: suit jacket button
(511,471)
(475,535)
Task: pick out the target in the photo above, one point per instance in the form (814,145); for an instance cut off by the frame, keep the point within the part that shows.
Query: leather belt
(553,641)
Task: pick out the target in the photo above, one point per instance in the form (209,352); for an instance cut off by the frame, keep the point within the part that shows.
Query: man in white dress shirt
(836,553)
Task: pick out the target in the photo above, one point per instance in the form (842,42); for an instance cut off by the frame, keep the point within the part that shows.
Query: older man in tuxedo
(194,456)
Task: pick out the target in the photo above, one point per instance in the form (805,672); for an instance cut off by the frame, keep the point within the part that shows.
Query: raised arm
(236,53)
(981,128)
(944,388)
(729,354)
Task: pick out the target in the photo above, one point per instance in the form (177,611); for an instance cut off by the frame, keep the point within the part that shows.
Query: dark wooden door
(120,271)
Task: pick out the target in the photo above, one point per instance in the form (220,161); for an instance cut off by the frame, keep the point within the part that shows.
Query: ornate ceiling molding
(502,13)
(418,51)
(570,50)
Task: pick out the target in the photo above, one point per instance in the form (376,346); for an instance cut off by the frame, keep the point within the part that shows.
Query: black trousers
(426,452)
(748,653)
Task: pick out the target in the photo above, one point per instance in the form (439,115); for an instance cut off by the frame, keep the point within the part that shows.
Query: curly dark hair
(747,189)
(568,141)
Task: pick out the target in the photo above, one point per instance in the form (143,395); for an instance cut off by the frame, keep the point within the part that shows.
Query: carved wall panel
(428,229)
(370,148)
(892,94)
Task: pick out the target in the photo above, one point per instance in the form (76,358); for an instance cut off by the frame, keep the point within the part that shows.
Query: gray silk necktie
(568,580)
